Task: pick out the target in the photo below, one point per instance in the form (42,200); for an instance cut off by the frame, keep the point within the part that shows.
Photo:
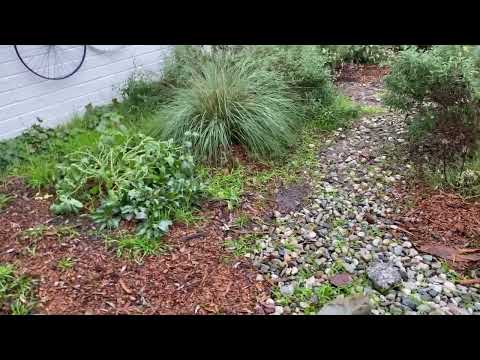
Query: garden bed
(209,221)
(76,274)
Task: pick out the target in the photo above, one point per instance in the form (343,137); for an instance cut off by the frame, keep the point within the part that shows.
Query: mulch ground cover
(196,275)
(361,73)
(445,225)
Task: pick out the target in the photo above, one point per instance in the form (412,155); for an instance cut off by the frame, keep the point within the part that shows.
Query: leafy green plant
(229,100)
(16,292)
(34,140)
(132,178)
(37,152)
(134,247)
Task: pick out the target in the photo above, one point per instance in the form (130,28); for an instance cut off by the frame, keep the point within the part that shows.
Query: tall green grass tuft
(231,100)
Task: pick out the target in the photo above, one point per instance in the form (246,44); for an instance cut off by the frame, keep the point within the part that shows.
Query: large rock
(384,275)
(353,305)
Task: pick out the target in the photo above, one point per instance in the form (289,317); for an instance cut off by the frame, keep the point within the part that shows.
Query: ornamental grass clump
(227,100)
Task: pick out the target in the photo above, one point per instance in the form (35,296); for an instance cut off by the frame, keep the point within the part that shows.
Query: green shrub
(228,100)
(441,77)
(361,54)
(303,68)
(35,140)
(142,96)
(16,292)
(129,177)
(438,90)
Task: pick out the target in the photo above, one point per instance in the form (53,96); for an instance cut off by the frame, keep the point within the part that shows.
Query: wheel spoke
(52,61)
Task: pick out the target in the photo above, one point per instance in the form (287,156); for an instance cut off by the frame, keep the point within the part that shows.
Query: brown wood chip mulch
(366,74)
(196,276)
(445,225)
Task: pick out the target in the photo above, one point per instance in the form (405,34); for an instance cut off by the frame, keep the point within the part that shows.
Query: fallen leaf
(469,281)
(449,253)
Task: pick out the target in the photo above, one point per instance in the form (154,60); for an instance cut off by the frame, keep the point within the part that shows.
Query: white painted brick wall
(25,96)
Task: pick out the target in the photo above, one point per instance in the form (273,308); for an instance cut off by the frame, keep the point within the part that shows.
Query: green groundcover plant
(131,177)
(16,292)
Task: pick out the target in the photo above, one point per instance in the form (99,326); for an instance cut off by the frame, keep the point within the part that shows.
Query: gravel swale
(346,229)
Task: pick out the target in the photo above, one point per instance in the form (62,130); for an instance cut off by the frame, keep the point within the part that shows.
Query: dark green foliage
(142,96)
(442,77)
(438,90)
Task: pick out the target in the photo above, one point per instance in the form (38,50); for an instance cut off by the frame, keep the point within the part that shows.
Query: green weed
(187,217)
(241,220)
(16,292)
(65,264)
(134,247)
(35,232)
(227,187)
(243,245)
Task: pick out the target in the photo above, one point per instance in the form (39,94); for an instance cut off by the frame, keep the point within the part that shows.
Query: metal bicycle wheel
(52,62)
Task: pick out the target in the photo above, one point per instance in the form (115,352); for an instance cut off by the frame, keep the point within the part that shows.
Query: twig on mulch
(193,236)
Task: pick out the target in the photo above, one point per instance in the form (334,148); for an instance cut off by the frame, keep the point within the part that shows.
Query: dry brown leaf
(469,281)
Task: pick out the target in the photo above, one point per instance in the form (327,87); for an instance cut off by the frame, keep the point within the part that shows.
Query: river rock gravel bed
(346,230)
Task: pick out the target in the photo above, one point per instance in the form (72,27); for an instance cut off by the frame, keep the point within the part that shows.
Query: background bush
(438,90)
(360,54)
(303,68)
